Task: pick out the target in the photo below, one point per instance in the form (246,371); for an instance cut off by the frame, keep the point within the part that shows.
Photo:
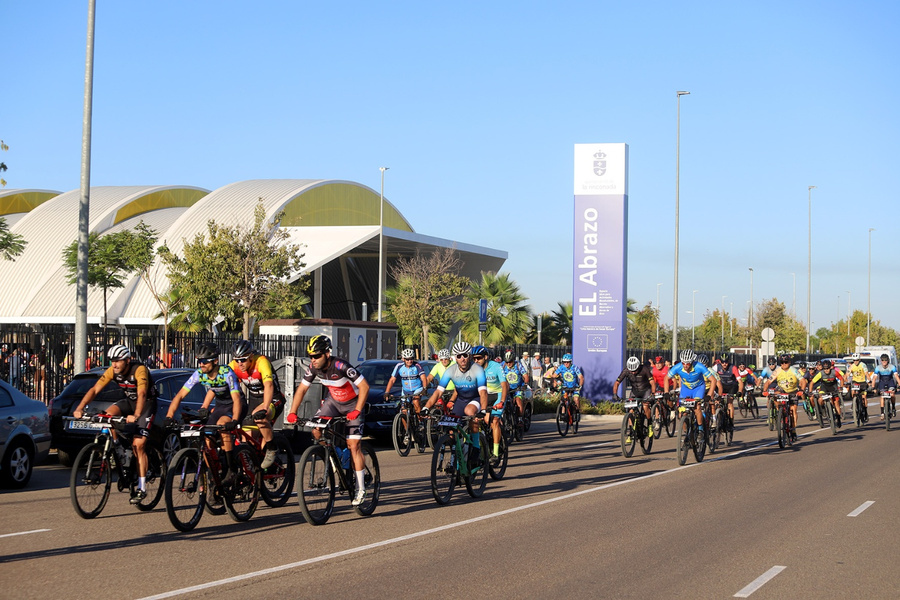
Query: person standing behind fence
(15,368)
(536,370)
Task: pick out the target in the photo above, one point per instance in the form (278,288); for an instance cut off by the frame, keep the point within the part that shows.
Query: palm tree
(558,330)
(508,317)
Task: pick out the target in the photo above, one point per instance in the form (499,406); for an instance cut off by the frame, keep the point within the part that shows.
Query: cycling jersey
(693,381)
(515,376)
(568,375)
(222,384)
(132,379)
(639,380)
(885,376)
(828,382)
(660,375)
(341,379)
(468,383)
(788,380)
(727,375)
(768,373)
(494,377)
(858,372)
(437,371)
(254,375)
(746,376)
(410,378)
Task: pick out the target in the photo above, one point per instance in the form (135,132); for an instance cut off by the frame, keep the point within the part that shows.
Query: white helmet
(443,353)
(633,364)
(855,356)
(407,353)
(687,356)
(461,348)
(119,352)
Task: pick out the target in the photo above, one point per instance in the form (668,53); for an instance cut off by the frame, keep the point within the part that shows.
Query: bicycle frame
(331,440)
(457,429)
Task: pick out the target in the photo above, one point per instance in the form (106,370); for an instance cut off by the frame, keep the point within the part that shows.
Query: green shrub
(547,405)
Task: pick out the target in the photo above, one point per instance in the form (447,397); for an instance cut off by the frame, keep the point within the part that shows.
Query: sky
(475,108)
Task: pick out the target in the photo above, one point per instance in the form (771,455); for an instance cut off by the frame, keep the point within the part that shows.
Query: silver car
(24,435)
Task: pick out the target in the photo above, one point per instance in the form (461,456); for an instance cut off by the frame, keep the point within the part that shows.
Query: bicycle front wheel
(684,439)
(562,419)
(185,489)
(742,406)
(315,485)
(887,414)
(401,434)
(779,426)
(90,481)
(754,407)
(497,472)
(478,469)
(443,469)
(278,480)
(371,480)
(627,435)
(156,479)
(243,497)
(645,435)
(658,420)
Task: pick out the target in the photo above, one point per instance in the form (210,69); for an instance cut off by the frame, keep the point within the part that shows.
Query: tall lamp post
(750,316)
(794,297)
(869,301)
(848,313)
(809,190)
(693,310)
(381,246)
(677,175)
(657,316)
(723,323)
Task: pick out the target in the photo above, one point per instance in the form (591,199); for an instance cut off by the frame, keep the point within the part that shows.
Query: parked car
(68,437)
(380,415)
(24,436)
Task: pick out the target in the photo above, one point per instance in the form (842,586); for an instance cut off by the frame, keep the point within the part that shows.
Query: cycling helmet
(704,360)
(810,365)
(772,362)
(207,350)
(567,357)
(242,349)
(443,353)
(509,356)
(407,353)
(633,363)
(854,356)
(784,358)
(119,352)
(479,351)
(687,356)
(461,348)
(826,364)
(318,344)
(885,357)
(724,357)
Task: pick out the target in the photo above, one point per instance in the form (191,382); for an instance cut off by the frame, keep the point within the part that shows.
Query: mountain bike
(747,402)
(330,459)
(456,460)
(859,404)
(784,422)
(92,472)
(810,408)
(887,397)
(721,425)
(636,427)
(689,437)
(407,429)
(662,414)
(277,482)
(567,413)
(195,479)
(826,411)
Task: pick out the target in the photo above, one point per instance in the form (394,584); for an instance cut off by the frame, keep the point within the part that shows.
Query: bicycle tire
(432,430)
(186,489)
(372,481)
(478,472)
(779,427)
(518,424)
(155,481)
(700,442)
(277,482)
(671,421)
(716,431)
(242,498)
(742,406)
(526,418)
(820,415)
(857,412)
(657,419)
(443,469)
(575,411)
(832,416)
(754,407)
(628,435)
(729,429)
(499,471)
(810,409)
(887,414)
(789,427)
(401,434)
(646,438)
(90,481)
(562,419)
(315,485)
(684,439)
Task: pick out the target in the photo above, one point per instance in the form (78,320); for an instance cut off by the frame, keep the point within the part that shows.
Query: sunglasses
(462,356)
(479,356)
(317,356)
(205,361)
(242,360)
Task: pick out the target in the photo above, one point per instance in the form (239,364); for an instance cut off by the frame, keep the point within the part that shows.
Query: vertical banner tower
(600,265)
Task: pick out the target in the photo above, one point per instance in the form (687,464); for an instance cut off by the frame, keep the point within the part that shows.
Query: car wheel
(171,445)
(17,466)
(66,458)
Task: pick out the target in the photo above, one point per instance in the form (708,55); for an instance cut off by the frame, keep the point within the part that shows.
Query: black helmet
(509,356)
(724,357)
(772,362)
(826,364)
(207,350)
(318,344)
(784,358)
(885,357)
(242,349)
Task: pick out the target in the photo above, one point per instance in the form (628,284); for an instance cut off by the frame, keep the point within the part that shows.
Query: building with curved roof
(336,222)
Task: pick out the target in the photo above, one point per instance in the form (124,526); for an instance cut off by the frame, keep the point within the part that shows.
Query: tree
(641,328)
(239,273)
(790,334)
(508,316)
(558,330)
(11,245)
(426,299)
(4,148)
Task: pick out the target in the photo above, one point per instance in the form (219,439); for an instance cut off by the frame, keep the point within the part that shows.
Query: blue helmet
(479,351)
(567,358)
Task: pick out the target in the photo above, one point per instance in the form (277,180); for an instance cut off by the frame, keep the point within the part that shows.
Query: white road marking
(426,532)
(598,445)
(861,508)
(759,581)
(23,532)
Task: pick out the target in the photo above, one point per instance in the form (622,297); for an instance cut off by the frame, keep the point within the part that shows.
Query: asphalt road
(572,519)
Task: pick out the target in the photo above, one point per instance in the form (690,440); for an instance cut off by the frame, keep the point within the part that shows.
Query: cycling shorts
(730,388)
(646,394)
(459,407)
(696,393)
(144,420)
(332,408)
(276,406)
(226,409)
(885,385)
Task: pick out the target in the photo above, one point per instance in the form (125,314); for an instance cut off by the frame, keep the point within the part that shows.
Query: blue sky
(475,107)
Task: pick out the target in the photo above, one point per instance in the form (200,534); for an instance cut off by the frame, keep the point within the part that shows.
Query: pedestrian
(536,370)
(39,364)
(15,368)
(526,362)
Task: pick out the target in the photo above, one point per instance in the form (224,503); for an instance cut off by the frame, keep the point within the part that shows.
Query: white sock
(360,479)
(142,483)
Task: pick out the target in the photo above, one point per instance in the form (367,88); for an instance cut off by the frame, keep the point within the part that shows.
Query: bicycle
(810,408)
(276,482)
(407,428)
(568,413)
(90,480)
(688,433)
(784,422)
(859,403)
(747,403)
(499,470)
(721,426)
(455,460)
(194,481)
(662,415)
(826,411)
(326,460)
(887,397)
(636,427)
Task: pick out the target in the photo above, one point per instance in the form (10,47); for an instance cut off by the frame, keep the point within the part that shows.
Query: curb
(584,417)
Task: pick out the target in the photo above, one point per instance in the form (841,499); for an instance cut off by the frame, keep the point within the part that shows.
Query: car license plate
(84,425)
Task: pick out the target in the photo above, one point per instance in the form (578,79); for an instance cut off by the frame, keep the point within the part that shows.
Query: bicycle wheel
(432,430)
(810,409)
(526,417)
(684,439)
(90,481)
(243,497)
(575,412)
(518,424)
(277,483)
(832,416)
(562,419)
(372,481)
(742,406)
(478,469)
(700,442)
(857,412)
(729,429)
(315,485)
(671,421)
(887,415)
(753,406)
(716,430)
(789,428)
(156,479)
(644,434)
(779,427)
(821,416)
(443,469)
(401,434)
(628,435)
(186,489)
(658,419)
(497,472)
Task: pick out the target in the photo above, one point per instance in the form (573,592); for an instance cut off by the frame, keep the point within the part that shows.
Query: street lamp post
(869,301)
(848,313)
(750,317)
(731,319)
(723,323)
(794,297)
(809,267)
(657,315)
(381,246)
(693,310)
(677,175)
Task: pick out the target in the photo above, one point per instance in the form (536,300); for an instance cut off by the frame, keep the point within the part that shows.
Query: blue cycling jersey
(515,375)
(494,377)
(568,376)
(692,379)
(222,384)
(468,382)
(410,378)
(767,373)
(885,375)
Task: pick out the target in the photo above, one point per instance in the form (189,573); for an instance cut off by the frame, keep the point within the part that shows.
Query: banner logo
(600,163)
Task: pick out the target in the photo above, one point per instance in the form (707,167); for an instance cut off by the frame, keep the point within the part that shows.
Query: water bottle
(345,458)
(126,458)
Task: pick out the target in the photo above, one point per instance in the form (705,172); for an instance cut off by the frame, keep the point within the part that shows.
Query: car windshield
(377,375)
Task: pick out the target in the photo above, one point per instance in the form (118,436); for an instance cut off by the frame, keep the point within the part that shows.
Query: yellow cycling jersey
(859,373)
(788,380)
(437,371)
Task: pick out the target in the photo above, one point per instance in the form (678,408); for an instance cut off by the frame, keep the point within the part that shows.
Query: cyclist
(693,376)
(139,406)
(730,381)
(643,384)
(828,380)
(263,392)
(347,392)
(789,380)
(412,378)
(885,377)
(222,386)
(746,375)
(570,377)
(498,393)
(470,385)
(517,378)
